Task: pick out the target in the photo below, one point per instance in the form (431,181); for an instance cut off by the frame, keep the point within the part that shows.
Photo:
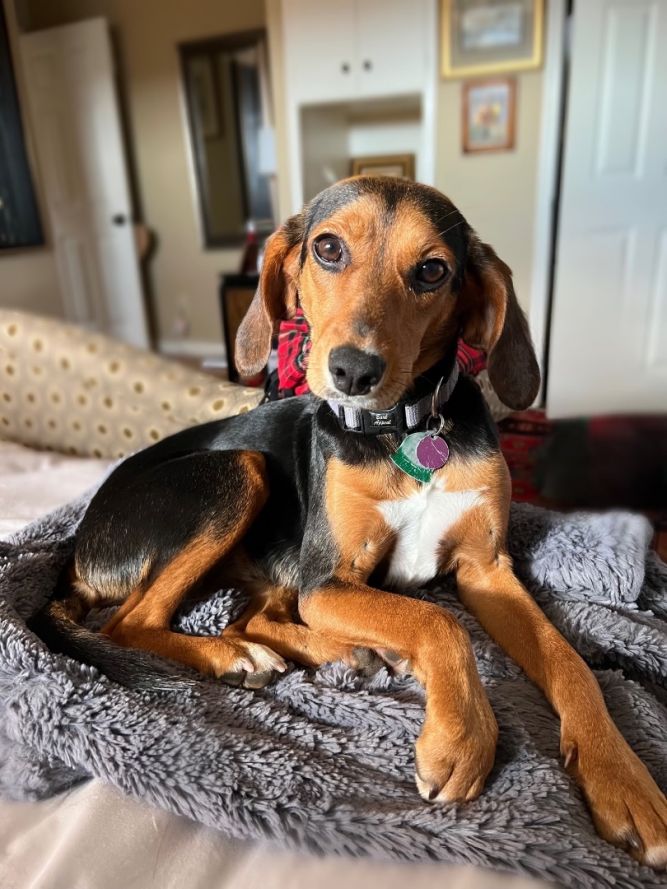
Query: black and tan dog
(300,502)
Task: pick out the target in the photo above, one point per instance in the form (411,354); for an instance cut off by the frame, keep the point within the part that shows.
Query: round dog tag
(433,452)
(420,454)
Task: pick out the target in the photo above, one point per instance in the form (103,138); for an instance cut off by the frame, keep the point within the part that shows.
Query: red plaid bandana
(471,361)
(294,346)
(293,349)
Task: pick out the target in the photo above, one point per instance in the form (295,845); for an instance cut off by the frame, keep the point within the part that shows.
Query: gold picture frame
(402,166)
(488,37)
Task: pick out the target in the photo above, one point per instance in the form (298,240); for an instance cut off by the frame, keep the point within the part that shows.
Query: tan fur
(455,750)
(352,495)
(627,806)
(372,294)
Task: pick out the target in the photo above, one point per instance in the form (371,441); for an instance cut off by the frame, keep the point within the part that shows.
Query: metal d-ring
(434,398)
(435,413)
(441,424)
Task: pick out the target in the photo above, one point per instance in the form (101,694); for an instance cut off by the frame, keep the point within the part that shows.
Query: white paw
(263,658)
(255,667)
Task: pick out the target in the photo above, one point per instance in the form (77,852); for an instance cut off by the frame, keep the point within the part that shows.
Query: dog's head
(388,274)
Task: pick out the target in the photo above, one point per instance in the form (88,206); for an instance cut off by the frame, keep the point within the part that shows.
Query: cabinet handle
(367,65)
(345,68)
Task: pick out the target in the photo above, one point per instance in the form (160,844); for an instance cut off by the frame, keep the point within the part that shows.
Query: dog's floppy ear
(494,322)
(274,300)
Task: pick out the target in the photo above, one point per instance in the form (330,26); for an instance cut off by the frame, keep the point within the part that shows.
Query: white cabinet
(393,46)
(355,48)
(320,49)
(360,79)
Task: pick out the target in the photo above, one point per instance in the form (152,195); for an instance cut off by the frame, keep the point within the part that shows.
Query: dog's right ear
(275,299)
(495,323)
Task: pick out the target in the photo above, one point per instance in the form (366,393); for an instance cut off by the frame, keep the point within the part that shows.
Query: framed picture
(491,36)
(489,112)
(402,166)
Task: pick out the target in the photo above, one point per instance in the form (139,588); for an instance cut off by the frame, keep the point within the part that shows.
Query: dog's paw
(364,660)
(453,762)
(627,806)
(396,662)
(252,666)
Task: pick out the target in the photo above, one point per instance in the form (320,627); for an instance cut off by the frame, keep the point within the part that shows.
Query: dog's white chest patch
(420,522)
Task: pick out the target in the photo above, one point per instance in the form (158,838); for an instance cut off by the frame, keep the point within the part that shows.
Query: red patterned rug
(590,464)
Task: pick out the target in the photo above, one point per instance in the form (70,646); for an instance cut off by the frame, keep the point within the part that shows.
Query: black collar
(408,413)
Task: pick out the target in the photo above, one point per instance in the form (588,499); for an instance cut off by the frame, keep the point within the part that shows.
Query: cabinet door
(320,50)
(393,47)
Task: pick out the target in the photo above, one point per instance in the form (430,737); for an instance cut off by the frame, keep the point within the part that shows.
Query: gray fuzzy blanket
(324,760)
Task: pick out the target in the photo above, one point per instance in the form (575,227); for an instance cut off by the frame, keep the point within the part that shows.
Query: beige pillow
(64,388)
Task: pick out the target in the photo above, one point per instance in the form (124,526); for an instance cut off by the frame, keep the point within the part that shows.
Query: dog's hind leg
(146,542)
(146,624)
(143,620)
(272,619)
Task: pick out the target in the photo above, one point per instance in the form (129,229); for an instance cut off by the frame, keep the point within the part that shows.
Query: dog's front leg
(627,805)
(456,748)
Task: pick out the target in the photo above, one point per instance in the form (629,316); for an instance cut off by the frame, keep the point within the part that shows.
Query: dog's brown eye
(431,273)
(328,248)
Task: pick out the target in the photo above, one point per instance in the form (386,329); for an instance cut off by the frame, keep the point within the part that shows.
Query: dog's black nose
(354,371)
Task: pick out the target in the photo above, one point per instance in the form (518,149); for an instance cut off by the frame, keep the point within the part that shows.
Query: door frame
(554,94)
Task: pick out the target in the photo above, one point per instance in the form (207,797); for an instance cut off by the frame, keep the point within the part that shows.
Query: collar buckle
(383,422)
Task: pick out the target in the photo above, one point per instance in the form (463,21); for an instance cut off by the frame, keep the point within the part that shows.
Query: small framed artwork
(489,115)
(401,166)
(491,36)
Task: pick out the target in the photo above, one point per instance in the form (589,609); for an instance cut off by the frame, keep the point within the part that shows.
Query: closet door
(608,347)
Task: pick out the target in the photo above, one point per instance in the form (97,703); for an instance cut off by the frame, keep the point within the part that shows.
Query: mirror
(20,225)
(226,91)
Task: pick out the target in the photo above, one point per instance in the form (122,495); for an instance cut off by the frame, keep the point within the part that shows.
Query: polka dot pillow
(66,389)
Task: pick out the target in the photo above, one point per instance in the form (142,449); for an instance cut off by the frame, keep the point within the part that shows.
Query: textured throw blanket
(324,760)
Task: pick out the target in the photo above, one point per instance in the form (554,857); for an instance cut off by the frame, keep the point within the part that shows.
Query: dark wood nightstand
(236,293)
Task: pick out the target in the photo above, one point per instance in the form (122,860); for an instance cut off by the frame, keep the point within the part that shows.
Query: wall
(183,274)
(496,191)
(28,278)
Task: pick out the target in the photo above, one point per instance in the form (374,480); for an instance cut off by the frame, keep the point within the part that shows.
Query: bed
(71,404)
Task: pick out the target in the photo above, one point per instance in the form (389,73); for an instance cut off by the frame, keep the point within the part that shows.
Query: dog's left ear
(494,322)
(275,298)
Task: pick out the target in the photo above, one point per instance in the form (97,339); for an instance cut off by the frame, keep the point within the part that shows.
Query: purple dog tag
(432,452)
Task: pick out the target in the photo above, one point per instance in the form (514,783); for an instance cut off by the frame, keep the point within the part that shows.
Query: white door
(608,345)
(74,110)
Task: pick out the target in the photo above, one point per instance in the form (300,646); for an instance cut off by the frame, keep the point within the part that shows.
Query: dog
(326,508)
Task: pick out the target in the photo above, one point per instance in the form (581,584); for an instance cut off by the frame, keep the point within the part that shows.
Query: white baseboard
(194,348)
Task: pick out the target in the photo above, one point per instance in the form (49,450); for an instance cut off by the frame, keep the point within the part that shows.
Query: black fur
(156,501)
(160,499)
